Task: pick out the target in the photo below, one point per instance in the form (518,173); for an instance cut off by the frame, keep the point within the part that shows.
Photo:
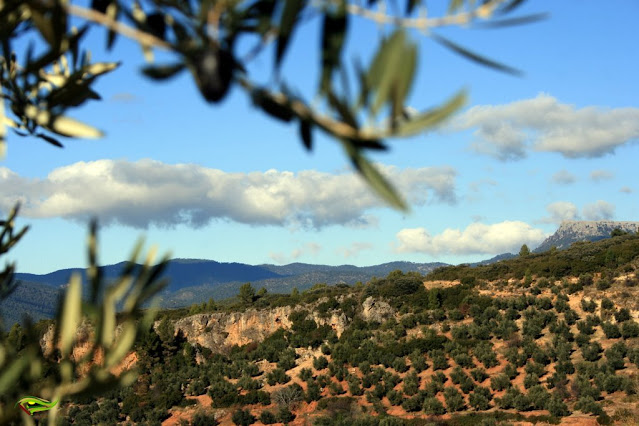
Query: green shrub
(611,330)
(629,329)
(480,399)
(320,363)
(277,376)
(500,382)
(454,399)
(284,415)
(243,418)
(622,315)
(557,407)
(268,418)
(433,406)
(395,397)
(479,374)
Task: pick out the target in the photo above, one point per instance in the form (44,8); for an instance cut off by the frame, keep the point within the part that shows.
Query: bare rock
(376,310)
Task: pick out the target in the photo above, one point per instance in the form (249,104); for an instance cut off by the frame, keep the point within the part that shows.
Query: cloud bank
(563,177)
(307,249)
(601,175)
(477,238)
(564,210)
(354,249)
(147,192)
(509,131)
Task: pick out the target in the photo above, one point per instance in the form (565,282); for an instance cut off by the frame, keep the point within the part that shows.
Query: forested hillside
(459,346)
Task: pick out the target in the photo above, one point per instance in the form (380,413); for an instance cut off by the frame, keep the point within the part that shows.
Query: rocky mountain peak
(584,230)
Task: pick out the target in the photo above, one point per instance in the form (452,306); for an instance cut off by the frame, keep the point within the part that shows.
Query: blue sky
(559,143)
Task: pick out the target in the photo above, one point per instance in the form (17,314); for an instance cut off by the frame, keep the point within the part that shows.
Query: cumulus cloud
(509,131)
(477,238)
(564,210)
(626,190)
(599,210)
(148,192)
(561,211)
(354,249)
(306,249)
(599,175)
(563,177)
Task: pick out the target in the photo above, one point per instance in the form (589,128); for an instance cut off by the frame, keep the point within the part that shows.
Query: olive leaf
(433,117)
(306,134)
(73,128)
(292,9)
(333,34)
(70,314)
(482,60)
(163,72)
(520,20)
(384,68)
(374,178)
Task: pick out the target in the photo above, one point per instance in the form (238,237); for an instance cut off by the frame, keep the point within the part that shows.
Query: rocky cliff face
(217,331)
(572,231)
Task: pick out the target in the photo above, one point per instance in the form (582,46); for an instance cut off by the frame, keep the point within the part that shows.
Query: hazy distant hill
(503,256)
(572,231)
(194,280)
(297,275)
(180,272)
(36,299)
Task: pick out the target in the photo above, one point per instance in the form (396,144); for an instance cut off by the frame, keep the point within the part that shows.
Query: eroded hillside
(527,349)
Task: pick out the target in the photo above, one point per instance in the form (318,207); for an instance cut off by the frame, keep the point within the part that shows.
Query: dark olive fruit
(157,24)
(100,5)
(213,69)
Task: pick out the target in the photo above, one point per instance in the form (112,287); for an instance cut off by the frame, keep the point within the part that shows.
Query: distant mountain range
(573,231)
(195,280)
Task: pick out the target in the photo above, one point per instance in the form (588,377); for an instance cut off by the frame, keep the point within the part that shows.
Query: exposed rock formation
(573,231)
(376,310)
(218,330)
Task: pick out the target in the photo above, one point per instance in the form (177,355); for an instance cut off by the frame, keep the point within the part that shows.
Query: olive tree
(40,85)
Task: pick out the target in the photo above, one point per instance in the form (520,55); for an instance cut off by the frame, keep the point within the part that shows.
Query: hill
(194,280)
(469,345)
(570,232)
(580,258)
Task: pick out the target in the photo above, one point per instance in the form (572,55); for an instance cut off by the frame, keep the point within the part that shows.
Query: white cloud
(354,249)
(563,177)
(561,211)
(626,190)
(306,249)
(148,192)
(477,238)
(509,131)
(475,186)
(599,210)
(599,175)
(564,210)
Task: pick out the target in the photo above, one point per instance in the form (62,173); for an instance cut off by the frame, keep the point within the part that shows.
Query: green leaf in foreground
(374,178)
(433,117)
(292,9)
(162,72)
(482,60)
(71,314)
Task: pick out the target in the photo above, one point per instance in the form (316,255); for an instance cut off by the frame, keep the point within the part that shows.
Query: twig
(143,38)
(304,112)
(424,23)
